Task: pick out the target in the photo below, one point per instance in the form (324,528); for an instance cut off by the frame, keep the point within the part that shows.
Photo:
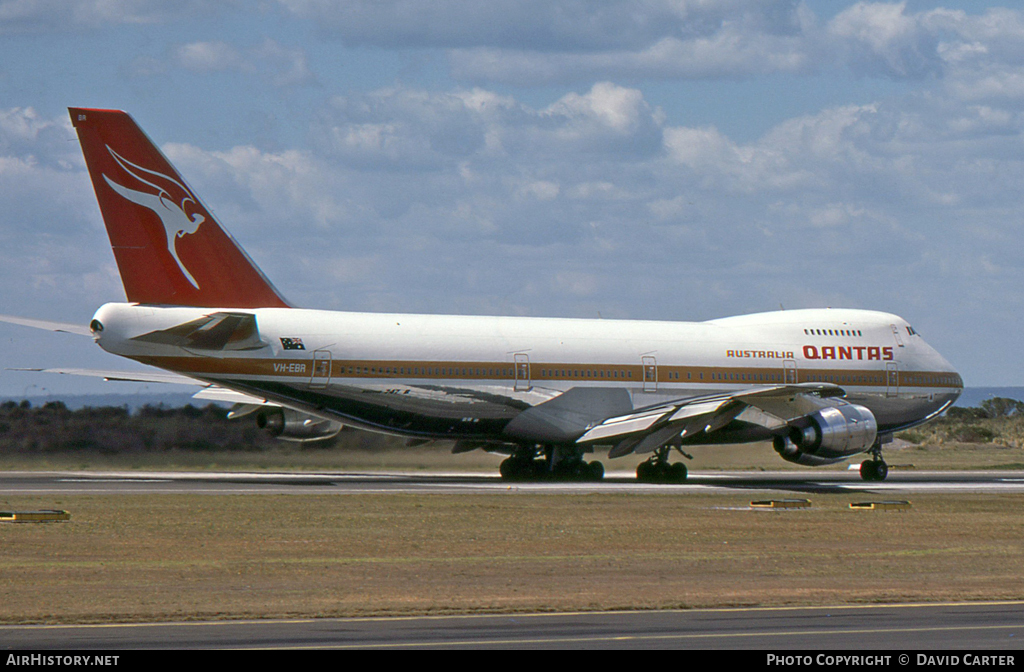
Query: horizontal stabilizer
(218,331)
(77,329)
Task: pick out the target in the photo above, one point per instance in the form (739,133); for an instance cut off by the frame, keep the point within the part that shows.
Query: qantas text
(847,352)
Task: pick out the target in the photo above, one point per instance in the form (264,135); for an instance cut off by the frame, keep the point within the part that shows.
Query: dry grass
(138,558)
(385,453)
(966,428)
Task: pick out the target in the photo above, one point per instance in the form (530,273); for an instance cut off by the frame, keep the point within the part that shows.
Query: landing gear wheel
(516,469)
(645,472)
(874,470)
(522,466)
(579,471)
(656,471)
(677,473)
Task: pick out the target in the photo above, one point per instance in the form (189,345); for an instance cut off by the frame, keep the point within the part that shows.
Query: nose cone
(931,360)
(943,365)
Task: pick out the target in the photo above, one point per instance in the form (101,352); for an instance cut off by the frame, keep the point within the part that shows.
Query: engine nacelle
(284,423)
(828,435)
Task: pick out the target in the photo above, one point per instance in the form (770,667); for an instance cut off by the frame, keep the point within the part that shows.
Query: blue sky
(665,159)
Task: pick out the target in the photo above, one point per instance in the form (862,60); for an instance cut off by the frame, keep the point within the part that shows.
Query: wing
(648,429)
(128,376)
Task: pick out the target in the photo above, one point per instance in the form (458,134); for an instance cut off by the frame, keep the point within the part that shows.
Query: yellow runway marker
(44,516)
(901,505)
(782,504)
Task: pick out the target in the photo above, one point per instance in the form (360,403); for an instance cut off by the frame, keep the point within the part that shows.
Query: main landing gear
(657,468)
(874,469)
(556,464)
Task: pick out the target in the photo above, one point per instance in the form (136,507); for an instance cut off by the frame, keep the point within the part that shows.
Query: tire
(517,469)
(511,469)
(874,470)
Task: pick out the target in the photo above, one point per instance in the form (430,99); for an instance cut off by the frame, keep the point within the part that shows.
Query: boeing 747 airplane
(821,385)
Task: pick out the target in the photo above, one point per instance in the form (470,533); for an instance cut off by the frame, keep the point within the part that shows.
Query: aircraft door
(790,371)
(892,379)
(896,335)
(522,372)
(650,366)
(321,370)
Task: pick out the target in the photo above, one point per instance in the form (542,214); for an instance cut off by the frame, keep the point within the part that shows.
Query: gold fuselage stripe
(543,371)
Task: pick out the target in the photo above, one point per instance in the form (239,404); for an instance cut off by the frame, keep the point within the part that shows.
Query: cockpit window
(910,330)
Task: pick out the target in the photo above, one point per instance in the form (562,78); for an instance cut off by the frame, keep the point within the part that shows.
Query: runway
(228,483)
(891,629)
(980,627)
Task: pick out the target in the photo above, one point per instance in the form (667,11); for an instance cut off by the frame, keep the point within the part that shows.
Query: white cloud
(619,109)
(414,197)
(211,57)
(841,193)
(53,251)
(883,40)
(404,130)
(539,25)
(728,53)
(33,16)
(269,59)
(532,41)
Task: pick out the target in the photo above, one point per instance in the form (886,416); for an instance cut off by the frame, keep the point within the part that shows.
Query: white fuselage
(436,376)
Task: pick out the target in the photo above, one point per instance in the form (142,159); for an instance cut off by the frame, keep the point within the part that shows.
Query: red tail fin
(169,248)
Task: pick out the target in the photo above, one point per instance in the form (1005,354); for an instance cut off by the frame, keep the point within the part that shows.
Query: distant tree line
(53,427)
(996,407)
(113,429)
(998,420)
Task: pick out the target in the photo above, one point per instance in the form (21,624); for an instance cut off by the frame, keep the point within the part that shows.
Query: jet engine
(284,423)
(828,435)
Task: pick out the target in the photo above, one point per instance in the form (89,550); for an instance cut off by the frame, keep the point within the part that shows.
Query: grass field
(384,453)
(158,557)
(161,557)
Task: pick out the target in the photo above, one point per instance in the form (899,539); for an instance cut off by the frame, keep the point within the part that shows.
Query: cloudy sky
(655,159)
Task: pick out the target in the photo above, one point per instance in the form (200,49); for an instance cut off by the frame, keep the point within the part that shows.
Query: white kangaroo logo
(172,215)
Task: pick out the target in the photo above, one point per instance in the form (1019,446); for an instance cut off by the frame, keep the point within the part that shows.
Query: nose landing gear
(874,469)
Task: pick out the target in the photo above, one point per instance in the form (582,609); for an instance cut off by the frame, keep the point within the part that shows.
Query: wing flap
(218,393)
(621,426)
(656,439)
